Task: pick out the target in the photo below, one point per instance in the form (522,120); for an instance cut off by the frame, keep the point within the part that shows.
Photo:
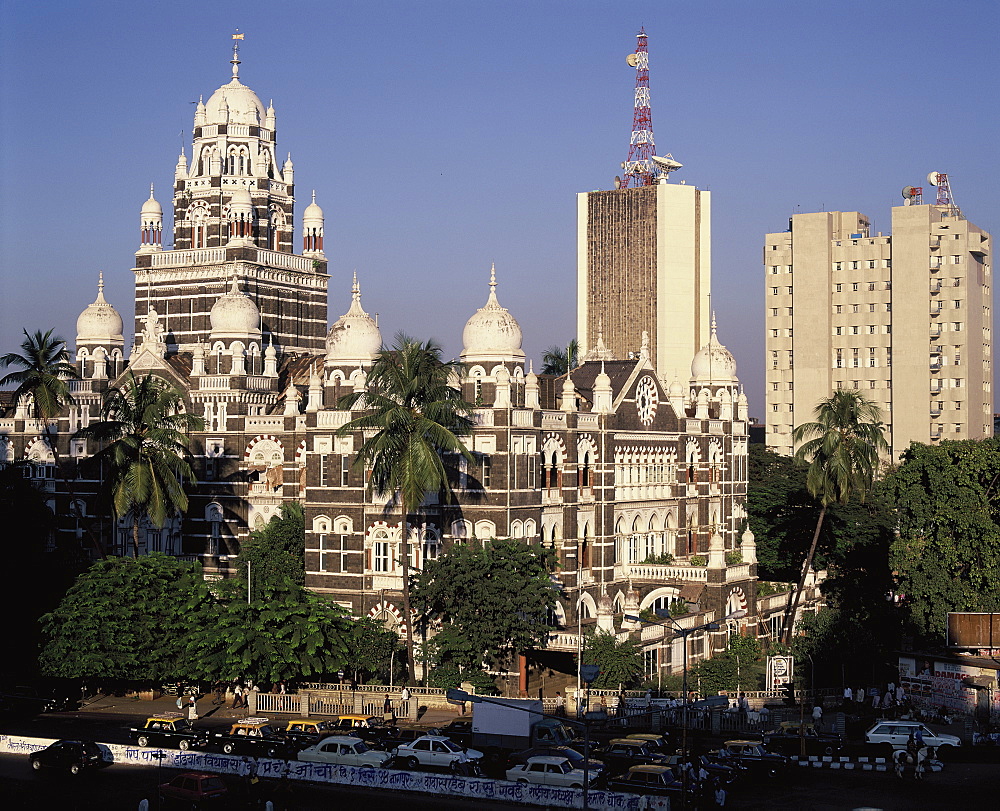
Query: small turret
(315,401)
(312,229)
(531,388)
(199,113)
(270,360)
(151,225)
(748,548)
(603,393)
(502,397)
(269,116)
(568,395)
(181,169)
(292,398)
(288,170)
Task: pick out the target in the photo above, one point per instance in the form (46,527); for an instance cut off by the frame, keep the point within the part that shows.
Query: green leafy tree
(557,360)
(275,551)
(493,600)
(947,551)
(284,632)
(620,661)
(740,668)
(415,416)
(374,651)
(841,449)
(144,434)
(125,618)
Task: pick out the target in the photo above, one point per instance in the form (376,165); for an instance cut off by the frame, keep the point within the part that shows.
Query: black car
(170,729)
(622,753)
(788,738)
(753,757)
(71,756)
(658,780)
(575,758)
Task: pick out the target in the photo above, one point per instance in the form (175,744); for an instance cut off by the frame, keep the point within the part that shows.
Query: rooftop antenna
(638,170)
(913,195)
(944,198)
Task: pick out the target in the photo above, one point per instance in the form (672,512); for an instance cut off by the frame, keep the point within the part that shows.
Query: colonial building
(636,484)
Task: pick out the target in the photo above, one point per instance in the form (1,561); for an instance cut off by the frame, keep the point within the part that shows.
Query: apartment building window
(958,428)
(872,329)
(838,308)
(840,358)
(854,287)
(774,311)
(774,407)
(854,265)
(871,287)
(789,332)
(871,263)
(774,333)
(789,290)
(774,386)
(956,326)
(958,405)
(957,282)
(791,386)
(888,329)
(791,407)
(854,330)
(838,265)
(887,263)
(345,469)
(855,308)
(774,359)
(774,291)
(790,356)
(788,269)
(774,268)
(838,330)
(958,356)
(838,288)
(324,469)
(871,356)
(958,304)
(888,357)
(956,260)
(789,310)
(871,308)
(888,308)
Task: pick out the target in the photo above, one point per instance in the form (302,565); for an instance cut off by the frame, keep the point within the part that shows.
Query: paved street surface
(962,785)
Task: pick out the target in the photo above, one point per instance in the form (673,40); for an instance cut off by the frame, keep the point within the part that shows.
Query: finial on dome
(150,191)
(713,324)
(234,287)
(235,61)
(314,192)
(356,288)
(493,276)
(100,284)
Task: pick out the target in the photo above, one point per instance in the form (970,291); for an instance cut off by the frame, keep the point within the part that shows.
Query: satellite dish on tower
(618,182)
(908,192)
(667,163)
(632,60)
(932,178)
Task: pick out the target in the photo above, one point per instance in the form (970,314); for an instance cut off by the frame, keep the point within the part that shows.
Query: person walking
(560,704)
(180,702)
(817,716)
(238,701)
(192,709)
(848,696)
(404,697)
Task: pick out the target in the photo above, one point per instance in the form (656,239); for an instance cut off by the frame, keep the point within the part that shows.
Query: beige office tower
(903,318)
(644,265)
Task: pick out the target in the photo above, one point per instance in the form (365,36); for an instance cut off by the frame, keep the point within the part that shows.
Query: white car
(549,770)
(344,750)
(437,750)
(897,734)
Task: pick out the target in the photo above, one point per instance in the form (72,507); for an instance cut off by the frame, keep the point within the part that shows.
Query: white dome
(240,198)
(235,315)
(492,332)
(234,103)
(354,338)
(100,322)
(713,363)
(151,206)
(312,213)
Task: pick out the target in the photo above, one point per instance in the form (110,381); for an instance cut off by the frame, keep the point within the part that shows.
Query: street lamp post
(457,695)
(684,633)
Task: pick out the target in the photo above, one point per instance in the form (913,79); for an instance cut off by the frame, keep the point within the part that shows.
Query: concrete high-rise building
(903,318)
(644,265)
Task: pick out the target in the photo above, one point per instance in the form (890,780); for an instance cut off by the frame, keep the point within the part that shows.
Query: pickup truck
(504,726)
(169,729)
(252,736)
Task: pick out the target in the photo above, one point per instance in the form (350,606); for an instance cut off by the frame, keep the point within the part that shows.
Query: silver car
(549,770)
(437,750)
(897,734)
(344,750)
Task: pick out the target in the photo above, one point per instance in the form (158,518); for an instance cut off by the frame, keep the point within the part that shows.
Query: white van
(897,733)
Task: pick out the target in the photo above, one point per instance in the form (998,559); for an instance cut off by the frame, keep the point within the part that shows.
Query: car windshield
(360,748)
(452,747)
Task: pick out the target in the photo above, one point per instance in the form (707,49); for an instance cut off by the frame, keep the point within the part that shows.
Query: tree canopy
(947,551)
(557,360)
(620,661)
(42,372)
(492,600)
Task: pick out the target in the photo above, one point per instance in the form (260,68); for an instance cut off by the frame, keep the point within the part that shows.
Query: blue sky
(443,136)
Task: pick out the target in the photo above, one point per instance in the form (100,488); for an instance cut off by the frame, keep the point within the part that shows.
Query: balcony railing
(652,571)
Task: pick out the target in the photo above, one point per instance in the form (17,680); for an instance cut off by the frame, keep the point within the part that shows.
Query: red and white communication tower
(639,168)
(944,198)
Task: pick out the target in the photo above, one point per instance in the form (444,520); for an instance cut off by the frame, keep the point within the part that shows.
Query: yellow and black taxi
(251,736)
(171,730)
(303,732)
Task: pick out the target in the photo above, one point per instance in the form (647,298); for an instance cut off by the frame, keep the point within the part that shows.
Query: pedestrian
(238,696)
(874,694)
(891,688)
(743,704)
(560,704)
(404,697)
(180,702)
(817,715)
(848,695)
(765,719)
(648,697)
(899,762)
(922,762)
(900,694)
(387,715)
(192,707)
(720,794)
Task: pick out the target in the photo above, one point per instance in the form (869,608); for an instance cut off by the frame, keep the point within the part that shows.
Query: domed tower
(312,230)
(99,339)
(714,370)
(491,338)
(151,225)
(235,332)
(353,341)
(233,215)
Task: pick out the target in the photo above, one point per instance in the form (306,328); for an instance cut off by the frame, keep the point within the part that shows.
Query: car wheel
(575,785)
(455,766)
(228,748)
(75,768)
(412,763)
(142,740)
(36,764)
(829,750)
(184,745)
(476,770)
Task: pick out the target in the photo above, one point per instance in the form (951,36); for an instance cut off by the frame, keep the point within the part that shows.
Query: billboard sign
(973,630)
(780,670)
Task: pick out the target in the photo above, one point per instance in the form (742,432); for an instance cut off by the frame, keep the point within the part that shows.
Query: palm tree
(415,416)
(144,431)
(559,360)
(43,374)
(842,449)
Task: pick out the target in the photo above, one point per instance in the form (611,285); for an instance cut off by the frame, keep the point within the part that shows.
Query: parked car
(375,725)
(251,736)
(392,740)
(658,741)
(549,770)
(754,757)
(170,729)
(897,734)
(74,757)
(787,740)
(344,750)
(196,790)
(439,751)
(574,756)
(622,753)
(648,779)
(302,732)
